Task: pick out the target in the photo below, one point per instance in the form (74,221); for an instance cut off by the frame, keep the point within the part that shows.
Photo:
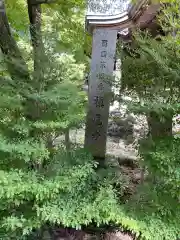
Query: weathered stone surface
(117,236)
(99,92)
(107,8)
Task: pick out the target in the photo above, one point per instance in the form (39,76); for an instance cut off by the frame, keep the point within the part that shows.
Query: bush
(156,203)
(162,161)
(68,192)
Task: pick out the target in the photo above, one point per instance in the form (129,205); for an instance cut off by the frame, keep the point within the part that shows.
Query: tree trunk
(158,128)
(67,140)
(34,12)
(17,67)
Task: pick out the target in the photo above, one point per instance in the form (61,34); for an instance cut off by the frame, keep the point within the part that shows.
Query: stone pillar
(100,81)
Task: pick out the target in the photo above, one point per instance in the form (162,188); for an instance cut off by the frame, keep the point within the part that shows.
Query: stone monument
(101,76)
(104,19)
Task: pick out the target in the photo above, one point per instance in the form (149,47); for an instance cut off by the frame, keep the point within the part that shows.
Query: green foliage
(162,160)
(68,191)
(40,181)
(17,10)
(62,21)
(35,176)
(153,75)
(150,70)
(157,201)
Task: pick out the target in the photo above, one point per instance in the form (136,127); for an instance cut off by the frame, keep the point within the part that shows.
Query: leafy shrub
(155,206)
(33,115)
(162,161)
(68,193)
